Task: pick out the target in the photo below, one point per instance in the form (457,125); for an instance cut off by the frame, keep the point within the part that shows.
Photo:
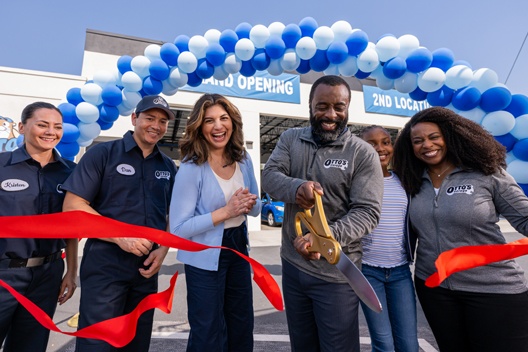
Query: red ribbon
(468,257)
(78,224)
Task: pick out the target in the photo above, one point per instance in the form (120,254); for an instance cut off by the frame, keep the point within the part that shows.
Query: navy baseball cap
(154,102)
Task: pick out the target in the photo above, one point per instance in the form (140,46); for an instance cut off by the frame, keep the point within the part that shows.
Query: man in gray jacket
(321,308)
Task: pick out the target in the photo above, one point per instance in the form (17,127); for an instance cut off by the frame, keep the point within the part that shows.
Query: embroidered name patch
(338,163)
(125,169)
(14,185)
(162,174)
(467,189)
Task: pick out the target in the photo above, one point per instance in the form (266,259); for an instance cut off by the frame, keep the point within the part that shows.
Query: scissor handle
(323,241)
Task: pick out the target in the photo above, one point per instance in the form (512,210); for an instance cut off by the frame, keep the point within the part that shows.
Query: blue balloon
(518,105)
(152,86)
(108,113)
(228,40)
(362,75)
(418,94)
(74,96)
(204,70)
(419,60)
(215,54)
(247,69)
(182,42)
(291,35)
(466,98)
(123,63)
(20,140)
(169,53)
(68,113)
(441,97)
(304,67)
(507,140)
(68,150)
(357,42)
(275,47)
(443,58)
(319,62)
(394,68)
(111,95)
(308,25)
(105,125)
(243,29)
(520,149)
(260,60)
(193,80)
(159,69)
(337,53)
(495,98)
(70,133)
(524,187)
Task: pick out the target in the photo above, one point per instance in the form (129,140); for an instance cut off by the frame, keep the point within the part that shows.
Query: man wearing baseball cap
(129,180)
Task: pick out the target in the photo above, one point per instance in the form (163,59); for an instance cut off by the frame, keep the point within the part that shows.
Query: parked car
(272,210)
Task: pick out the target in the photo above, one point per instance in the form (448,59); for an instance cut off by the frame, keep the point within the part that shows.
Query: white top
(228,188)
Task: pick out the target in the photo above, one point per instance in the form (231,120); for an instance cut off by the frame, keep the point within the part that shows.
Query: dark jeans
(479,322)
(220,303)
(41,285)
(322,316)
(111,286)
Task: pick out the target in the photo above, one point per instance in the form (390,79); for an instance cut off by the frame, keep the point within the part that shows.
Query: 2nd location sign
(391,102)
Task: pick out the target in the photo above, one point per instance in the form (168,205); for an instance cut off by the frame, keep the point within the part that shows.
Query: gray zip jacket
(348,169)
(464,213)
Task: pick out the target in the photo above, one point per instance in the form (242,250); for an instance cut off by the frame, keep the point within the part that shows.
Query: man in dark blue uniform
(129,180)
(30,184)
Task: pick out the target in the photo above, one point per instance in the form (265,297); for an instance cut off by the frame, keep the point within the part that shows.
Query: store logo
(338,163)
(467,189)
(162,174)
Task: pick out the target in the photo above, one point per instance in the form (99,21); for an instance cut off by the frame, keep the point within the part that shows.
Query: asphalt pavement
(271,333)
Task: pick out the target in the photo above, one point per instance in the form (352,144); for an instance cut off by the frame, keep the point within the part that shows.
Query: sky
(50,35)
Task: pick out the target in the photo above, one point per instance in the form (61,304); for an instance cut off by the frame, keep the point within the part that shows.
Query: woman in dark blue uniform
(30,184)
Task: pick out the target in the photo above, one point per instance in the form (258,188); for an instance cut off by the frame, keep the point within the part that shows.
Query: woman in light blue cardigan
(214,191)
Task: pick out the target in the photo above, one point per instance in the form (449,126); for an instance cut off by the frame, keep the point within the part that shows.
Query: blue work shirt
(26,188)
(121,184)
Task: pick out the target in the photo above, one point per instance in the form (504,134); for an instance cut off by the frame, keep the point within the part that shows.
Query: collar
(21,155)
(130,143)
(307,135)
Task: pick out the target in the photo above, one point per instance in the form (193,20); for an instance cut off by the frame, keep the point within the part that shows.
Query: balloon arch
(399,63)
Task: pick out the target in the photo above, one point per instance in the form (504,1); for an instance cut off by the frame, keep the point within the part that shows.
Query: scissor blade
(359,283)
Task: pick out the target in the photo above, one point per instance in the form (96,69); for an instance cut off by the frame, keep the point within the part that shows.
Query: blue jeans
(394,329)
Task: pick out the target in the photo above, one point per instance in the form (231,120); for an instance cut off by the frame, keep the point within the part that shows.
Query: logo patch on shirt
(14,185)
(339,163)
(162,174)
(59,188)
(467,189)
(125,169)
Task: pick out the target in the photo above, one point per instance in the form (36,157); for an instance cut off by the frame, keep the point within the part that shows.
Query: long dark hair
(468,145)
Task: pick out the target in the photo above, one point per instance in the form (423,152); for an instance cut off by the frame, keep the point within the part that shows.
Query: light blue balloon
(498,123)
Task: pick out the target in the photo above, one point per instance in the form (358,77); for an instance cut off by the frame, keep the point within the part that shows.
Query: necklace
(441,173)
(220,164)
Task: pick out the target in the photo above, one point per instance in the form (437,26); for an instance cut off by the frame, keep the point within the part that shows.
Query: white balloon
(177,78)
(87,112)
(499,122)
(510,157)
(130,99)
(323,37)
(431,79)
(89,130)
(276,28)
(125,110)
(131,81)
(275,67)
(384,82)
(213,36)
(289,61)
(348,68)
(91,93)
(187,62)
(458,76)
(519,170)
(342,30)
(387,48)
(220,73)
(244,49)
(140,65)
(484,79)
(408,43)
(368,60)
(306,48)
(232,63)
(152,52)
(259,34)
(475,115)
(198,46)
(332,69)
(84,143)
(168,89)
(104,78)
(520,131)
(406,83)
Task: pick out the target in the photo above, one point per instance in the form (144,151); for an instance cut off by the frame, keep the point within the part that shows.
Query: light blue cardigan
(196,194)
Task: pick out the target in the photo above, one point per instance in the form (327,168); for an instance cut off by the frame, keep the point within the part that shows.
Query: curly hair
(193,145)
(468,145)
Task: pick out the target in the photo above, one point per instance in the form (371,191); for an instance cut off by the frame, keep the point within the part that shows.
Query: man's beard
(327,136)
